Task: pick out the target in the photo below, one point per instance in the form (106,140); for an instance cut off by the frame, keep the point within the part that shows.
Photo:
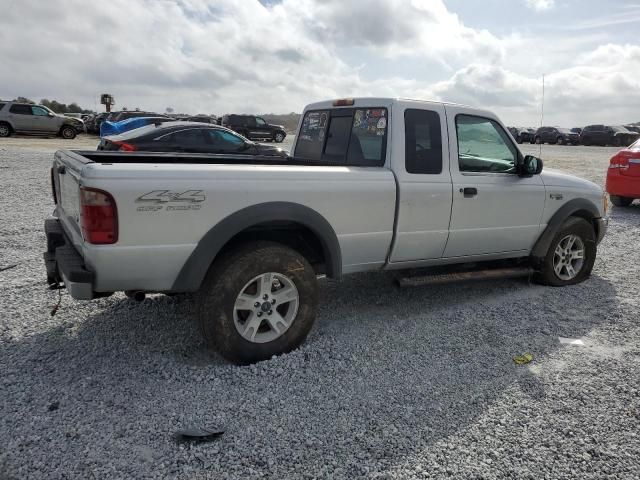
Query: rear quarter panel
(157,234)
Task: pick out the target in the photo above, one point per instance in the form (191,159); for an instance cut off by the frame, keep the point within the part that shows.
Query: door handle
(469,191)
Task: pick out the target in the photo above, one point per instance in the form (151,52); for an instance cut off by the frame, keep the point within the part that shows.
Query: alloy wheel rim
(4,130)
(266,307)
(568,257)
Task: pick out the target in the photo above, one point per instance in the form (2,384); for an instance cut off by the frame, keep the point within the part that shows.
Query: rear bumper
(622,185)
(64,263)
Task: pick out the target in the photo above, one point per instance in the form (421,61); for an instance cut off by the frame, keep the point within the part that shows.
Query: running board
(443,278)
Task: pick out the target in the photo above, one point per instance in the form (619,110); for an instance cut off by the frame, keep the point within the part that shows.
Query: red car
(623,176)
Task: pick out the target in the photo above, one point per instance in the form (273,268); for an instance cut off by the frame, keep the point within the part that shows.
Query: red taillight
(621,160)
(343,102)
(124,146)
(98,217)
(53,188)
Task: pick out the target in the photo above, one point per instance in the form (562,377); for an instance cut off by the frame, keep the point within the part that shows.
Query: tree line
(55,106)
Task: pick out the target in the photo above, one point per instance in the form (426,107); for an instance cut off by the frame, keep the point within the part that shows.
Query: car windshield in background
(564,130)
(344,136)
(620,129)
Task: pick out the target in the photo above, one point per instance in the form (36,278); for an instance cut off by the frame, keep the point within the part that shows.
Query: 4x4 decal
(163,200)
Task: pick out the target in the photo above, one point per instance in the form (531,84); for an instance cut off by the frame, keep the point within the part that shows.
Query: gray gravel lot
(391,383)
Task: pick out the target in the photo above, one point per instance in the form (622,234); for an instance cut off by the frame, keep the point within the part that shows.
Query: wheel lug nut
(270,312)
(259,314)
(273,301)
(257,304)
(265,296)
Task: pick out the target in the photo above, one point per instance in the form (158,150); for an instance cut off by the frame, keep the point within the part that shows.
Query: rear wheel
(258,301)
(278,137)
(571,255)
(5,129)
(560,141)
(620,201)
(538,141)
(68,132)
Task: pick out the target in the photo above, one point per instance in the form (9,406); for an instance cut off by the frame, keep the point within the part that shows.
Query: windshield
(564,130)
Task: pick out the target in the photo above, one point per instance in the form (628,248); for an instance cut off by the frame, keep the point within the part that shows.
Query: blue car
(116,128)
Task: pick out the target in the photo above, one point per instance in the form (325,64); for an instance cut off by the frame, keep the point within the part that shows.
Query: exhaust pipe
(136,295)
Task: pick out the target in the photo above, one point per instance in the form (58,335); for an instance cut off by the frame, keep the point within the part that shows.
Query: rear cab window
(344,136)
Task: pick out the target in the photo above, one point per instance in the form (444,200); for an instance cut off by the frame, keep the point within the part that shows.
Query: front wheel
(68,133)
(620,201)
(560,141)
(571,255)
(257,302)
(538,141)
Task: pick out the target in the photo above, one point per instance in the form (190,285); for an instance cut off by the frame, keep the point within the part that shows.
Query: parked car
(192,137)
(115,128)
(254,128)
(124,115)
(522,135)
(617,136)
(623,176)
(633,128)
(201,119)
(556,135)
(252,234)
(577,130)
(26,118)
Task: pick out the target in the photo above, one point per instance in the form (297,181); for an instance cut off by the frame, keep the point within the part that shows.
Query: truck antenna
(541,116)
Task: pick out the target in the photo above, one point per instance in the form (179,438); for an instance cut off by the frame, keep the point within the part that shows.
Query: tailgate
(66,173)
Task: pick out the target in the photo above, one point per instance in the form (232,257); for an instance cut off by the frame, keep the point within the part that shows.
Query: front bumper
(64,263)
(602,224)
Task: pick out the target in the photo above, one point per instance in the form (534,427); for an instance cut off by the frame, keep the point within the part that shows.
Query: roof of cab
(380,101)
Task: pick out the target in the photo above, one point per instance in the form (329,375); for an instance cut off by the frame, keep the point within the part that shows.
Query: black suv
(254,128)
(559,136)
(606,135)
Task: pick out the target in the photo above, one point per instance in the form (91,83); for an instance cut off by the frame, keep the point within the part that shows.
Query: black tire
(68,133)
(572,226)
(5,129)
(228,277)
(538,141)
(518,139)
(279,137)
(620,201)
(560,141)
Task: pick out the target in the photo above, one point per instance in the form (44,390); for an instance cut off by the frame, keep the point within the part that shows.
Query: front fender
(579,207)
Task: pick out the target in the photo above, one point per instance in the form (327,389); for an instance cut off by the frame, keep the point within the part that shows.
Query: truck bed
(110,157)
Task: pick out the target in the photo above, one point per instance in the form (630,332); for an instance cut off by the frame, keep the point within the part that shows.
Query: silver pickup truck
(371,184)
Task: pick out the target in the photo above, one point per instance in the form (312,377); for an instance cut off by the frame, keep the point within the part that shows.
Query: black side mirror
(530,166)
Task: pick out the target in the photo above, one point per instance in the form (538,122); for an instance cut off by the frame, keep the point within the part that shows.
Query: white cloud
(540,5)
(205,56)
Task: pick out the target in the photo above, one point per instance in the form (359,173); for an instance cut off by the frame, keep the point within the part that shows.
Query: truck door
(494,210)
(420,161)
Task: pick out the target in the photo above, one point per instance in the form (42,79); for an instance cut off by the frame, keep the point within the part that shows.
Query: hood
(555,178)
(270,150)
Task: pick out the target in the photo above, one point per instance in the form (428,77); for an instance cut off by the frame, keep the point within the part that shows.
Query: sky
(275,56)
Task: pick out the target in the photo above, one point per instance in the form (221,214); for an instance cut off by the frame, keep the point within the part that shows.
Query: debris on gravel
(391,383)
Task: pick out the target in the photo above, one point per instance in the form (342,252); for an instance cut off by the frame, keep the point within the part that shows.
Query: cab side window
(483,146)
(422,142)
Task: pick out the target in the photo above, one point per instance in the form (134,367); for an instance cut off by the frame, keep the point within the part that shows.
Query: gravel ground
(416,383)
